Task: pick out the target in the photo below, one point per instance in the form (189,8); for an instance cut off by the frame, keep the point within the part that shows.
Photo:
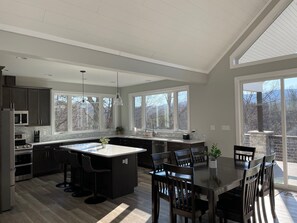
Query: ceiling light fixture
(118,101)
(83,85)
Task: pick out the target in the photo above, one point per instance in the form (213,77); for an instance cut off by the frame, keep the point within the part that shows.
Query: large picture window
(73,114)
(163,110)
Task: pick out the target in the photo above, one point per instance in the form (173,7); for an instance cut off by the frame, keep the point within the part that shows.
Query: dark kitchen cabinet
(144,159)
(172,146)
(39,107)
(16,97)
(44,160)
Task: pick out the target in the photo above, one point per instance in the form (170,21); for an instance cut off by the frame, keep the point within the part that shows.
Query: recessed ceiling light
(112,82)
(50,75)
(148,80)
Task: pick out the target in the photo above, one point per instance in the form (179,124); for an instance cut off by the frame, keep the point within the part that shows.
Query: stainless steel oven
(23,158)
(23,164)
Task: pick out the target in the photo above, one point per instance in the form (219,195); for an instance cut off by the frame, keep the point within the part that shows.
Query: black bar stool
(61,157)
(87,166)
(76,167)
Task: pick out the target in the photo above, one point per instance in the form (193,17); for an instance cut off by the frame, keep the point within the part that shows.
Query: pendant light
(118,100)
(83,85)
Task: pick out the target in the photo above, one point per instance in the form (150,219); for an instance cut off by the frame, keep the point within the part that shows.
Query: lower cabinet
(44,160)
(144,159)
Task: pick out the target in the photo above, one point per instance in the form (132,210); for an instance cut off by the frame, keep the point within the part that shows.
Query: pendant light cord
(83,84)
(117,83)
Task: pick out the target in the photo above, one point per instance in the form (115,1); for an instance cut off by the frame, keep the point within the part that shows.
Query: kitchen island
(121,160)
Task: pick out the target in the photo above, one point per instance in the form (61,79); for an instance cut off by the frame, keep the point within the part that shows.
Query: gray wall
(214,103)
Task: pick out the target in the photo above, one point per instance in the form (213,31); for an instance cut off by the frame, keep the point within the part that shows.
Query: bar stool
(87,166)
(61,157)
(76,166)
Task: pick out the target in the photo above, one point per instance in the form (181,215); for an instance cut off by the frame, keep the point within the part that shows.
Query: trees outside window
(164,110)
(72,114)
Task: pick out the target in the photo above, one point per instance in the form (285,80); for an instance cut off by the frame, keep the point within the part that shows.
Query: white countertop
(191,141)
(109,151)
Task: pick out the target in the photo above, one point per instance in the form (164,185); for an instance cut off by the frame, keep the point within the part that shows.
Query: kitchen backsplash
(46,134)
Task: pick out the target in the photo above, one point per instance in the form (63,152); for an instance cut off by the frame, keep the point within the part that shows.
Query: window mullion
(69,110)
(175,113)
(143,109)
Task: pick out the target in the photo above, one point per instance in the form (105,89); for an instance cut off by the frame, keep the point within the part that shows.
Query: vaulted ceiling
(189,35)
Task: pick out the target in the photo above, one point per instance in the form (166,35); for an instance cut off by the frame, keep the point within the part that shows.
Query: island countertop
(109,151)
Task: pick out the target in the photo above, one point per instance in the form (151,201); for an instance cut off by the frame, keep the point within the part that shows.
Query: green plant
(119,129)
(214,152)
(104,140)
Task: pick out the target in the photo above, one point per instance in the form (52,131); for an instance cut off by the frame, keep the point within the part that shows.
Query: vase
(213,164)
(103,145)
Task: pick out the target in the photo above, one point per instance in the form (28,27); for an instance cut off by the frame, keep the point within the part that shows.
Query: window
(164,110)
(72,115)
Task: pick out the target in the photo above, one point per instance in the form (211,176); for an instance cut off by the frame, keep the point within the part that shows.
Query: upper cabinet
(15,97)
(35,100)
(39,106)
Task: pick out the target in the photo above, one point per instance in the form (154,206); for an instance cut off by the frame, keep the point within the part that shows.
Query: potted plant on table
(213,154)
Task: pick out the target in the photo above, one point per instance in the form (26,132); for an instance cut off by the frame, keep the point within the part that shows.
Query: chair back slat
(199,155)
(180,181)
(250,189)
(158,159)
(183,157)
(267,182)
(244,153)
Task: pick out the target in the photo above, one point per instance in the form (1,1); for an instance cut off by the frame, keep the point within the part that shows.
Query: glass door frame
(238,87)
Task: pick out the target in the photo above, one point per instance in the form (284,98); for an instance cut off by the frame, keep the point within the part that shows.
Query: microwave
(21,118)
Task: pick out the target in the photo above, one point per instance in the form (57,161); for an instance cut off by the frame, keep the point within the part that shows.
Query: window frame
(175,90)
(69,112)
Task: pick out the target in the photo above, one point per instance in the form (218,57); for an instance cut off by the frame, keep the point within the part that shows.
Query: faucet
(154,133)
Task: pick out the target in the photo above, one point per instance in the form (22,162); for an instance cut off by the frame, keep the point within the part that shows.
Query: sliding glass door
(268,121)
(290,89)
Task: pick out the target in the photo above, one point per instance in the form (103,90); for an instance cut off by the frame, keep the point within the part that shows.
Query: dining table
(211,182)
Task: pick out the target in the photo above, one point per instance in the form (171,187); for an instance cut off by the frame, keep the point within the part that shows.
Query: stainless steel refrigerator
(7,161)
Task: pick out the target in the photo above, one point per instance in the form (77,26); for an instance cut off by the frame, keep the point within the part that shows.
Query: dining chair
(158,159)
(244,153)
(241,208)
(238,190)
(183,157)
(266,185)
(182,194)
(199,155)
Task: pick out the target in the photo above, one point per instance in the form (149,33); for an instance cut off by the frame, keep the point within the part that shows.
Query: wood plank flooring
(38,200)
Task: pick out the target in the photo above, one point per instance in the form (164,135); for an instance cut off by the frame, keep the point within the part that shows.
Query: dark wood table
(208,181)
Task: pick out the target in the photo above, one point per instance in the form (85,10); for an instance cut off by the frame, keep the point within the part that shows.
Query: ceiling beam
(55,51)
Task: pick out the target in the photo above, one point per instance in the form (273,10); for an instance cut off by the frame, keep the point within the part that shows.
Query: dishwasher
(159,146)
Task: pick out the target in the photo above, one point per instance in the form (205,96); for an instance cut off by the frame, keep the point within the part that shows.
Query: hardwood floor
(38,200)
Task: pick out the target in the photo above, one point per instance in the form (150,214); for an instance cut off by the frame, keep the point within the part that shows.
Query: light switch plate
(212,127)
(225,127)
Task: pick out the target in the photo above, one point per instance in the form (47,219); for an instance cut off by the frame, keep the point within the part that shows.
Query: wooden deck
(38,200)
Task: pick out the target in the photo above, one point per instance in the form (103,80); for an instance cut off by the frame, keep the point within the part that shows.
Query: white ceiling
(188,34)
(278,40)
